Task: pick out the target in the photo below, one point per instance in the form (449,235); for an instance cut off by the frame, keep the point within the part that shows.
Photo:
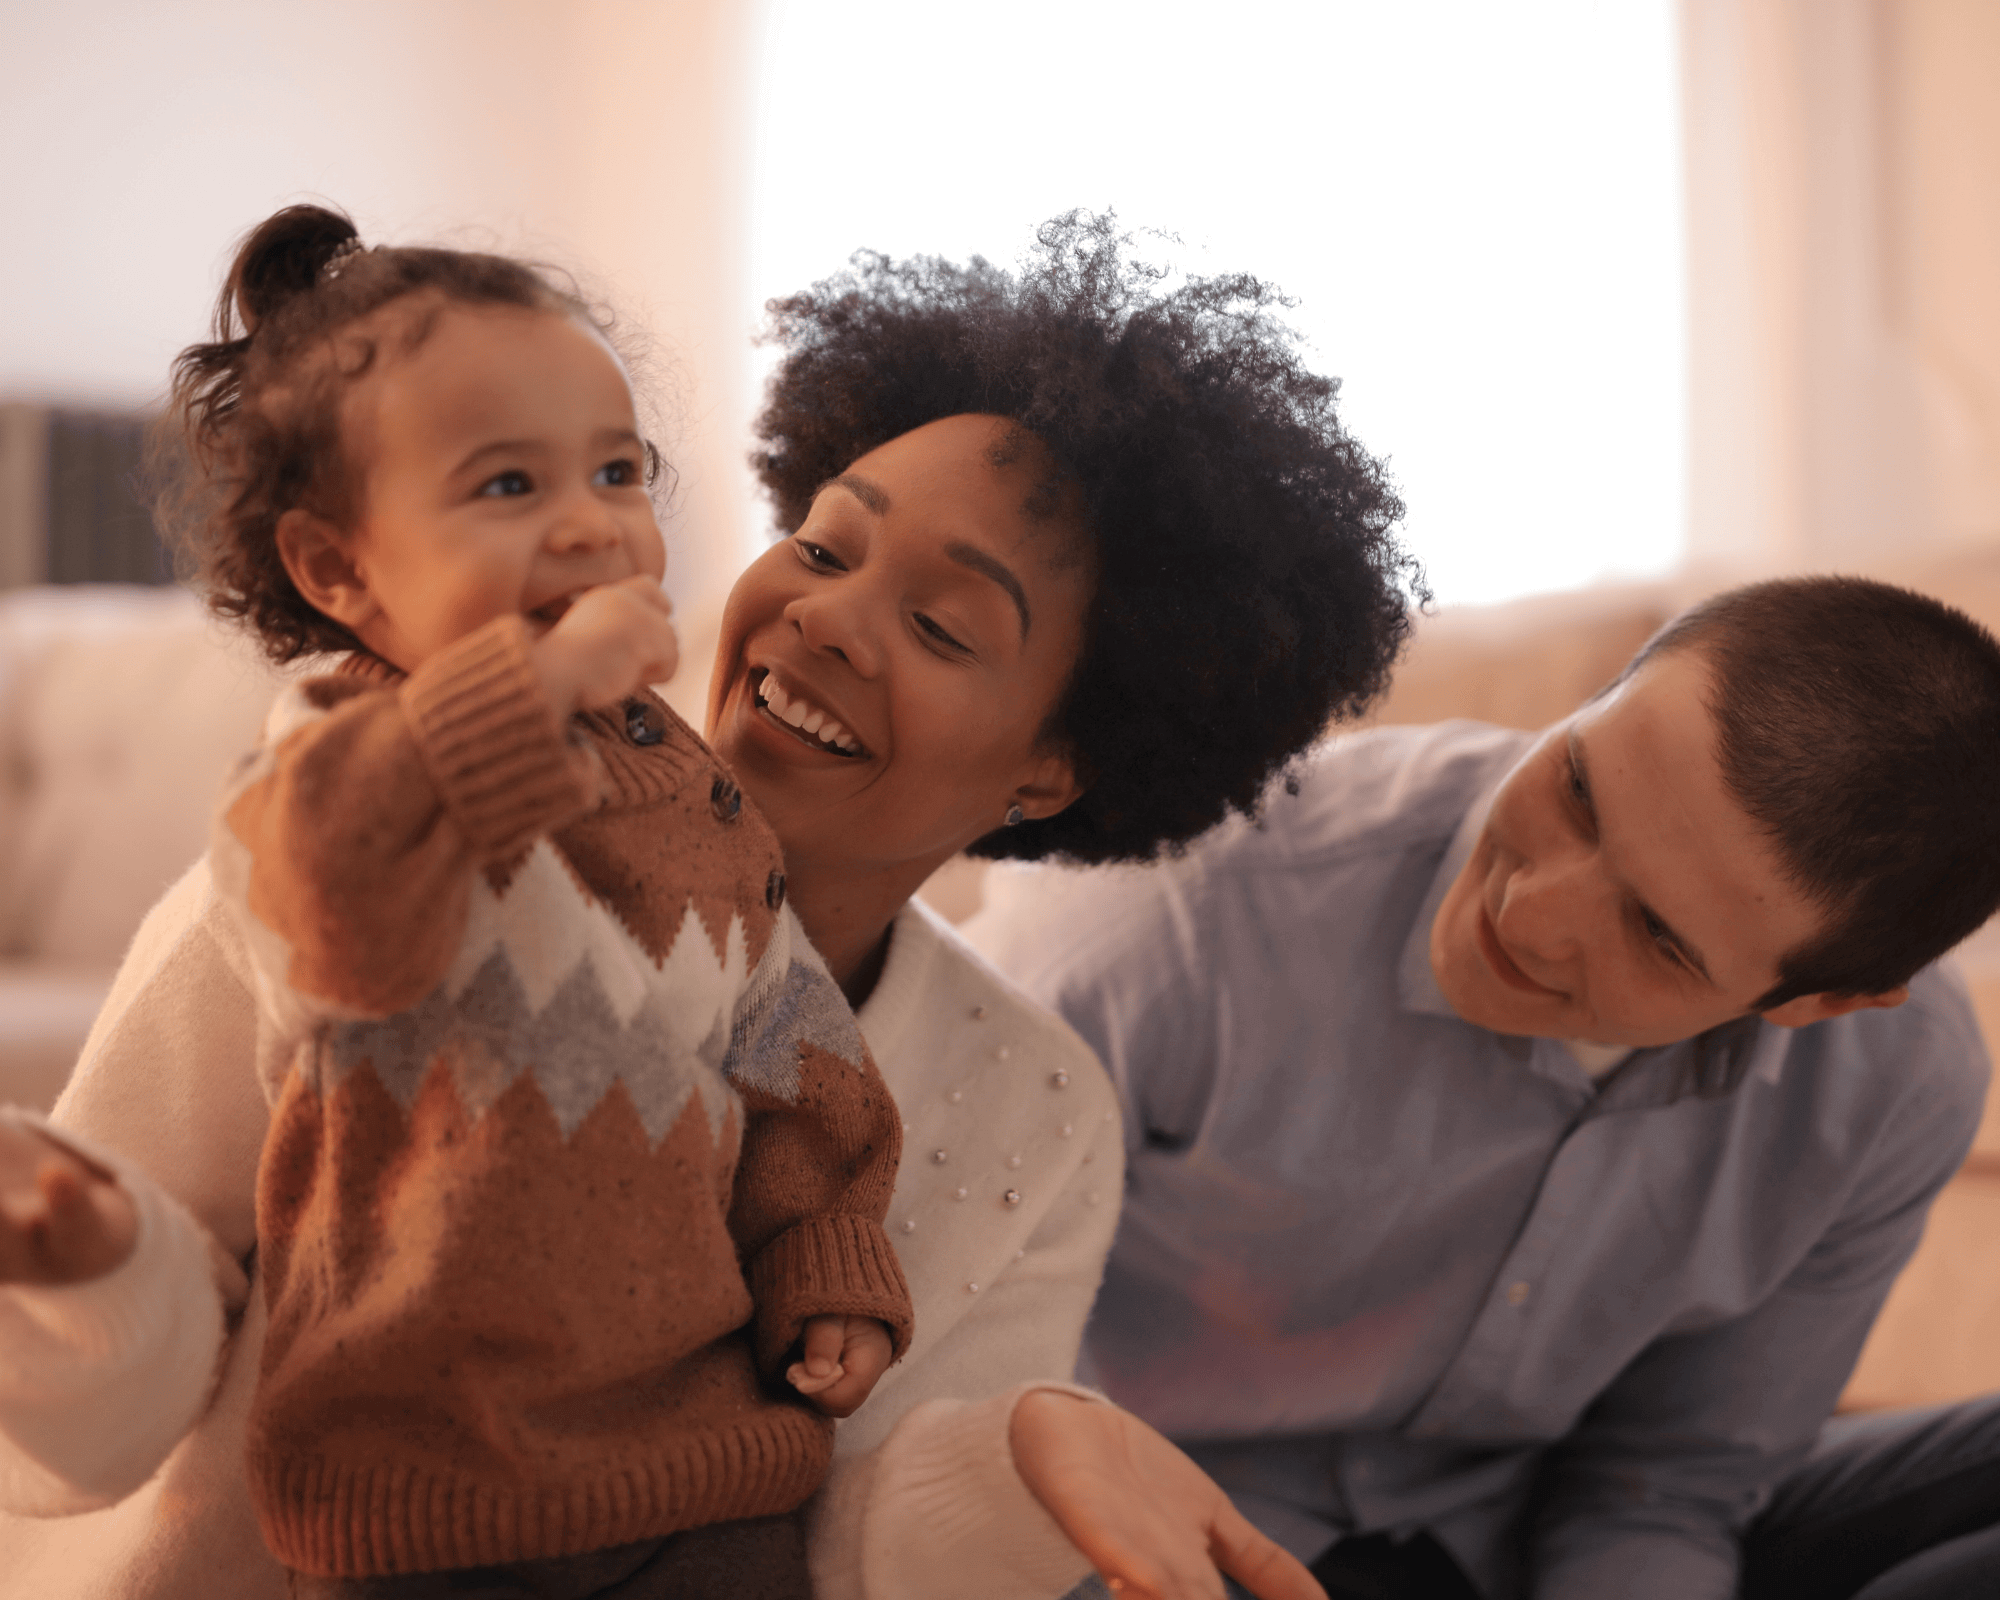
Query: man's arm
(1649,1495)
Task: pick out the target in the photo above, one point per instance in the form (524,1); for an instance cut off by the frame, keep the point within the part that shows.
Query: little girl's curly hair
(252,428)
(1249,589)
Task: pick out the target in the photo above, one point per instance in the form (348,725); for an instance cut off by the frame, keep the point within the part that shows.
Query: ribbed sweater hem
(352,1520)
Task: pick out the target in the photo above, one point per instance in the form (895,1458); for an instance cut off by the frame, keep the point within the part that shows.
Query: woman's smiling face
(884,675)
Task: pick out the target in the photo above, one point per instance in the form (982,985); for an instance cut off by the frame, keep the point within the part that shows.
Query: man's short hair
(1859,725)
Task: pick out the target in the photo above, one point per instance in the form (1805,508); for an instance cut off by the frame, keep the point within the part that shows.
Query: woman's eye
(507,483)
(939,634)
(619,474)
(817,556)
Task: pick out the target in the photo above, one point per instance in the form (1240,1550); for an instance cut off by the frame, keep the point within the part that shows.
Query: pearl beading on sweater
(1010,1196)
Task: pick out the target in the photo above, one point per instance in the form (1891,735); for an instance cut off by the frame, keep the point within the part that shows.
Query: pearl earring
(1014,817)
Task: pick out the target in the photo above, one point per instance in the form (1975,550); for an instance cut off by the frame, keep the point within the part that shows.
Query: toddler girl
(573,1140)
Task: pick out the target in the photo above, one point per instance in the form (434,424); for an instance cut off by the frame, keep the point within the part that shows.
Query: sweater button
(774,889)
(725,800)
(644,722)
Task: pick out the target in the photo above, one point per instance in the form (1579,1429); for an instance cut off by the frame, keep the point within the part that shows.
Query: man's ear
(1811,1008)
(1050,788)
(322,569)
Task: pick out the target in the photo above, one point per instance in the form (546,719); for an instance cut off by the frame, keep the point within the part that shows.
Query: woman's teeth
(808,719)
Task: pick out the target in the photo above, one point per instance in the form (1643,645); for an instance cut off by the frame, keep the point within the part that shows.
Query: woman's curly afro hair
(1249,589)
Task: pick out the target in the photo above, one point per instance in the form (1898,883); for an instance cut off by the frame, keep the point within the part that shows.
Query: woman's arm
(164,1099)
(976,1470)
(101,1374)
(1151,1521)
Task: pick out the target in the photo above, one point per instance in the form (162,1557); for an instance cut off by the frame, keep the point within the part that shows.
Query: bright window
(1477,207)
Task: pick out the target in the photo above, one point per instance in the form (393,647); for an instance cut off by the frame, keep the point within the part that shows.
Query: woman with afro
(1083,559)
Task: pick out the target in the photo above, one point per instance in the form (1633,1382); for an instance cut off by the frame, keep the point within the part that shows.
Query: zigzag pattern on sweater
(576,1001)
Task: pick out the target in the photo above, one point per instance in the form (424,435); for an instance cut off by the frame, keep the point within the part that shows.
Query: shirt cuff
(100,1380)
(953,1516)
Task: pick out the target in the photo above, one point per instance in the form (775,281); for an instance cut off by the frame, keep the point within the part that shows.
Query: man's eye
(939,634)
(619,474)
(1656,930)
(507,483)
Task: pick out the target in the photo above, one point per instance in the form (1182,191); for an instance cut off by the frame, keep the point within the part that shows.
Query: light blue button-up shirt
(1380,1269)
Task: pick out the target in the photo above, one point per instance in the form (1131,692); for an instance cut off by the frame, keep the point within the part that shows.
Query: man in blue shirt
(1524,1131)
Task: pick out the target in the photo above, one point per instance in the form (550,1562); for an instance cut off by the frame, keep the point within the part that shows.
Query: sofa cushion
(121,710)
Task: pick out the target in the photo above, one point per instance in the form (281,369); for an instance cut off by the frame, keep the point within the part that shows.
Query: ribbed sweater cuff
(494,743)
(824,1267)
(954,1515)
(99,1380)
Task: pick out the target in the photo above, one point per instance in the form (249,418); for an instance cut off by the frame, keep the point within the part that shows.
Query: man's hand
(1152,1522)
(614,640)
(62,1219)
(844,1356)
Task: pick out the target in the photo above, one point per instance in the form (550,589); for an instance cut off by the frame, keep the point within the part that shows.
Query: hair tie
(343,253)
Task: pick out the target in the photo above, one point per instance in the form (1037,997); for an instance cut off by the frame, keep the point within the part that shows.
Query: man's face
(1618,892)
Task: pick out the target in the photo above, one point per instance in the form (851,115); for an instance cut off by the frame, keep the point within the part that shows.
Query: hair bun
(282,258)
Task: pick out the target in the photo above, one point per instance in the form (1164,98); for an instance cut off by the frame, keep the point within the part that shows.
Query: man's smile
(1504,966)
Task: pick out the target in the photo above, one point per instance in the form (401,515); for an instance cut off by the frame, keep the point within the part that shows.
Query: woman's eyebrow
(970,556)
(869,494)
(979,561)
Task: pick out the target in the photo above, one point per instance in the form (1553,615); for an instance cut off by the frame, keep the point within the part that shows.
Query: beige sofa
(121,710)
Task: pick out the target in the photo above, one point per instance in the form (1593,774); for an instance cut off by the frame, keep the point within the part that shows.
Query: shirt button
(1517,1292)
(774,889)
(644,722)
(725,800)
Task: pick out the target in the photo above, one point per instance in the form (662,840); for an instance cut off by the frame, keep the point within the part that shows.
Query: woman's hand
(63,1219)
(1152,1522)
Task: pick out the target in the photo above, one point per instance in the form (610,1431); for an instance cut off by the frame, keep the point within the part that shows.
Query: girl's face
(884,675)
(505,475)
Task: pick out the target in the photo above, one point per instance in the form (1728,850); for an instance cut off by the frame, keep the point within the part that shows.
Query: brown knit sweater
(571,1129)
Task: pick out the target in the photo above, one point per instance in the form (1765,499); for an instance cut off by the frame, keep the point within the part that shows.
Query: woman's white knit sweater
(123,1401)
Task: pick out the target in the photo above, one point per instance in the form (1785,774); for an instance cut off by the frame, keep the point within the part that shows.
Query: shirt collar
(1417,983)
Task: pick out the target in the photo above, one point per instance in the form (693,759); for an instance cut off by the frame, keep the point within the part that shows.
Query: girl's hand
(613,641)
(63,1219)
(1154,1524)
(844,1356)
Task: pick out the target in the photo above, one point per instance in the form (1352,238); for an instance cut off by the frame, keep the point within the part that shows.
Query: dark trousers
(1896,1505)
(761,1557)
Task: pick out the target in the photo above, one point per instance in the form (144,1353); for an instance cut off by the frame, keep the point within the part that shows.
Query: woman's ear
(322,569)
(1050,787)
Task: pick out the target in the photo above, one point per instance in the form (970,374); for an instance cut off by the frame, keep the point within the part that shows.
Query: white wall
(1844,248)
(608,136)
